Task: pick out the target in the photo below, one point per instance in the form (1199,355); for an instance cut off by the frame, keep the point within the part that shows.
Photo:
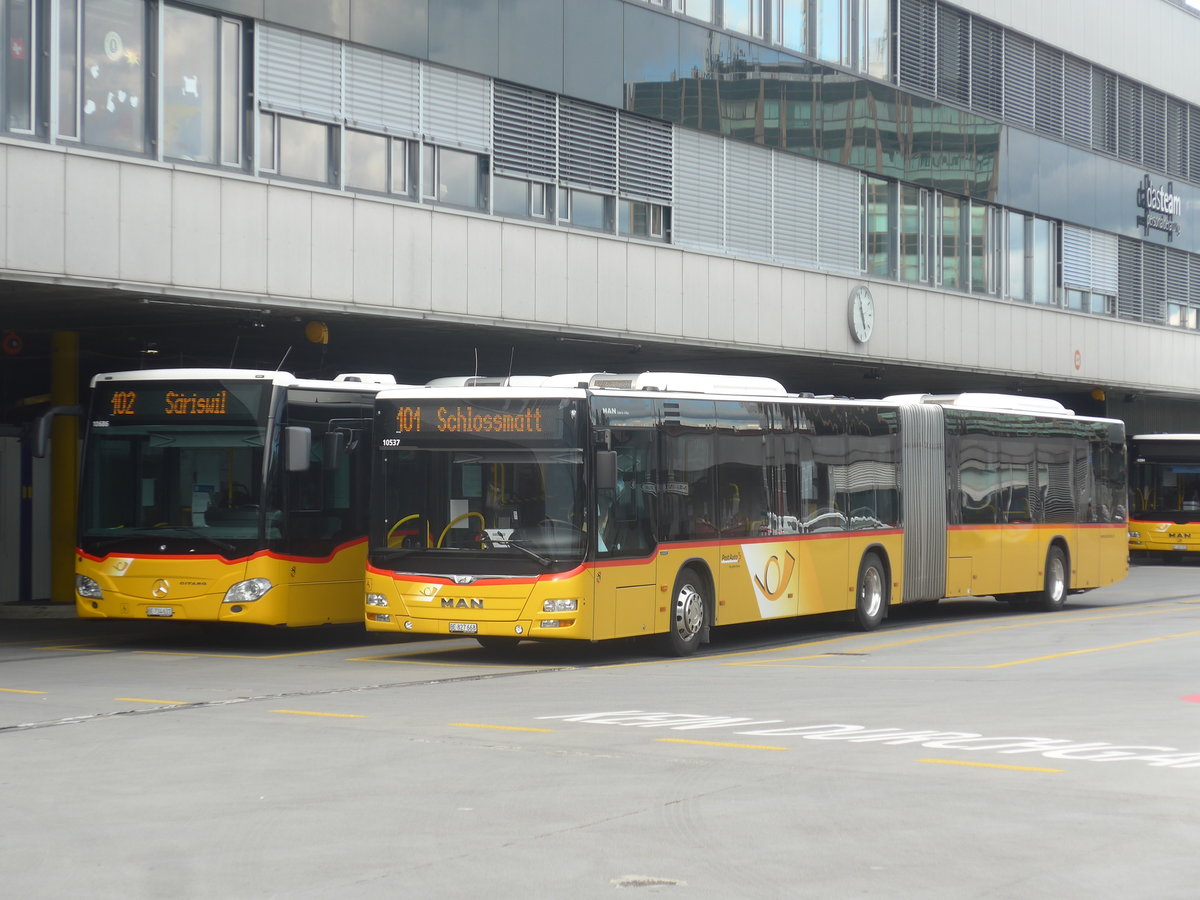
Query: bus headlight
(248,591)
(560,605)
(85,587)
(376,600)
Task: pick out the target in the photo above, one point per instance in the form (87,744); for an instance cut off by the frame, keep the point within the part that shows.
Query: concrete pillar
(64,466)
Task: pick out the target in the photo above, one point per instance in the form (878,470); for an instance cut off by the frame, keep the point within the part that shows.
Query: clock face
(862,314)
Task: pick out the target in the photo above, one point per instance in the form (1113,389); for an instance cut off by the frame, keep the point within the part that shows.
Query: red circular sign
(1078,360)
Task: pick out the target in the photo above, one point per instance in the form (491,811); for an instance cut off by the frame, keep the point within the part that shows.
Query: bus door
(1021,553)
(626,569)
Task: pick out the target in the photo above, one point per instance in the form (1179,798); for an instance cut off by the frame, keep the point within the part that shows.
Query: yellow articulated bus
(1164,495)
(591,507)
(225,495)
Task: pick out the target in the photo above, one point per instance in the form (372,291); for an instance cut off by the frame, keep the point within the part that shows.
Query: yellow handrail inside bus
(456,520)
(392,530)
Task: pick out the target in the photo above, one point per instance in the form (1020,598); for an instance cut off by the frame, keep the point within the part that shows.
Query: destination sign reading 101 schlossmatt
(469,419)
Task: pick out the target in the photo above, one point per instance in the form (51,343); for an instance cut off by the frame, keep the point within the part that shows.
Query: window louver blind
(1105,255)
(587,140)
(1104,111)
(299,73)
(747,200)
(698,215)
(1129,120)
(1089,260)
(1194,142)
(987,68)
(1177,277)
(1129,294)
(1048,102)
(1077,100)
(1177,139)
(644,159)
(1154,129)
(1154,276)
(525,132)
(456,108)
(953,55)
(916,62)
(839,245)
(1018,78)
(382,91)
(795,192)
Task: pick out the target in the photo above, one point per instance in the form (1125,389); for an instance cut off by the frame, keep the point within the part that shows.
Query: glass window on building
(789,26)
(983,249)
(68,69)
(875,56)
(1042,243)
(1180,316)
(697,9)
(454,177)
(744,16)
(18,65)
(879,209)
(638,219)
(113,74)
(518,197)
(365,161)
(914,233)
(951,241)
(1015,268)
(294,148)
(201,75)
(587,210)
(829,31)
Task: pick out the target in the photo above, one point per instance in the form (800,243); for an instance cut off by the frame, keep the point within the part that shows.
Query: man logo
(161,588)
(775,577)
(452,603)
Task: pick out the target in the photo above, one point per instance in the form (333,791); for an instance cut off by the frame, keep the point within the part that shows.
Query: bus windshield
(1166,490)
(156,481)
(479,489)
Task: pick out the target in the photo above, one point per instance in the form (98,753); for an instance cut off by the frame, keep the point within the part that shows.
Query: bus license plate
(1179,547)
(463,628)
(162,611)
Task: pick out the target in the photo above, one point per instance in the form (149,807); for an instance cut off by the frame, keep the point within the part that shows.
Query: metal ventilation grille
(456,108)
(587,142)
(748,200)
(698,216)
(953,55)
(917,40)
(987,68)
(1077,100)
(644,159)
(299,73)
(526,131)
(1018,78)
(1129,272)
(1177,277)
(1048,111)
(382,91)
(795,226)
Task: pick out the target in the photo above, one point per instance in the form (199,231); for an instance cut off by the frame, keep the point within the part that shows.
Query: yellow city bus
(606,506)
(225,495)
(1164,495)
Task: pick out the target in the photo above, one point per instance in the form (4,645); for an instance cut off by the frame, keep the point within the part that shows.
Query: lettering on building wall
(1159,205)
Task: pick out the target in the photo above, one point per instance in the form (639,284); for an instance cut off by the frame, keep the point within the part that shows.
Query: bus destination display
(153,402)
(517,420)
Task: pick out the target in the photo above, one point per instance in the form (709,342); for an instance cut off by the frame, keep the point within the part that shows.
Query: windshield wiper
(545,561)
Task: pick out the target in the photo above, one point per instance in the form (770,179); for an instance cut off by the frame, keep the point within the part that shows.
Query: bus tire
(1056,582)
(688,615)
(871,593)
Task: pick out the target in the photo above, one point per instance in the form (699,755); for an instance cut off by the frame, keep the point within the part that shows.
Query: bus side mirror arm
(41,428)
(297,447)
(606,470)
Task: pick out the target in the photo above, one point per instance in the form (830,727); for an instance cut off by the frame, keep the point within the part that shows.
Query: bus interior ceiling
(119,332)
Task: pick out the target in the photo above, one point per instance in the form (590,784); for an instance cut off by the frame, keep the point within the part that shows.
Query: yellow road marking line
(720,744)
(19,691)
(500,727)
(1152,640)
(981,765)
(78,648)
(306,712)
(156,702)
(418,662)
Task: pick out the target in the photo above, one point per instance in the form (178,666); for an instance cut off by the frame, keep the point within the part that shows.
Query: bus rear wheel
(689,615)
(1056,583)
(871,595)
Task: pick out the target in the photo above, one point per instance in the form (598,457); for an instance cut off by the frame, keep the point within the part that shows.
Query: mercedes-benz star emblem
(160,588)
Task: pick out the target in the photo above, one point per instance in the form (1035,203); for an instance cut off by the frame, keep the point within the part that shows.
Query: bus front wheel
(871,595)
(1056,584)
(689,615)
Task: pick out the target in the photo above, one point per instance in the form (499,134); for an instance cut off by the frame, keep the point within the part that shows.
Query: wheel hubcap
(1057,579)
(689,612)
(871,594)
